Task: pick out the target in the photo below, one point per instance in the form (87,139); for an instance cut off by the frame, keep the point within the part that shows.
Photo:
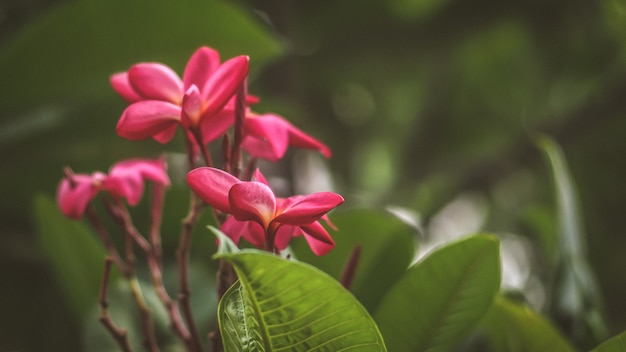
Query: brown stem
(156,214)
(121,215)
(106,241)
(240,114)
(119,334)
(349,269)
(117,210)
(182,254)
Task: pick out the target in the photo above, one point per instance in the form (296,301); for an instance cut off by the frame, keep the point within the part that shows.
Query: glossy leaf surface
(283,305)
(615,344)
(387,248)
(440,299)
(511,327)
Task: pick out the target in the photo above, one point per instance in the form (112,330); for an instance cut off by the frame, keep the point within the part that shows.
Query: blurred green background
(430,106)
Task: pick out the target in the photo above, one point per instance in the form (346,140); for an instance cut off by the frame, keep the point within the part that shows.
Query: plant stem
(119,334)
(156,215)
(182,254)
(123,218)
(106,241)
(240,115)
(349,269)
(149,341)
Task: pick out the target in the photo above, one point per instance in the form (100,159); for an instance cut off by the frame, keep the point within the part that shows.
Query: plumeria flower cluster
(203,103)
(208,103)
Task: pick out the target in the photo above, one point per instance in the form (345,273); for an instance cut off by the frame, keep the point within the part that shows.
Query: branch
(120,335)
(182,255)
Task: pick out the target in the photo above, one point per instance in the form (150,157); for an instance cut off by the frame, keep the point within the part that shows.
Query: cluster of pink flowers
(205,103)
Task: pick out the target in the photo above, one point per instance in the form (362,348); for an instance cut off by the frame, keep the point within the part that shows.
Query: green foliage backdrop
(424,103)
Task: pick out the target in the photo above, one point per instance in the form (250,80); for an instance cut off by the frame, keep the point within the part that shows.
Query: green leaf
(76,257)
(283,305)
(511,327)
(387,248)
(615,344)
(440,299)
(577,293)
(70,52)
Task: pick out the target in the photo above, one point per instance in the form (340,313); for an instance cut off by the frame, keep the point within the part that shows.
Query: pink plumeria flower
(259,216)
(161,100)
(268,136)
(124,180)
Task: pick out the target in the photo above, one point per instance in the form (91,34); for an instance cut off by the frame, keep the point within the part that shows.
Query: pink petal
(157,82)
(166,135)
(212,185)
(258,176)
(145,169)
(309,208)
(200,67)
(284,235)
(252,201)
(145,119)
(223,83)
(192,108)
(122,86)
(318,238)
(216,125)
(297,138)
(234,228)
(250,230)
(74,196)
(129,187)
(267,137)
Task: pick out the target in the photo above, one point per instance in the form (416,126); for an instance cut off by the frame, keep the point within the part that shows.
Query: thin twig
(106,241)
(156,215)
(119,334)
(121,215)
(349,270)
(117,210)
(240,115)
(182,254)
(149,341)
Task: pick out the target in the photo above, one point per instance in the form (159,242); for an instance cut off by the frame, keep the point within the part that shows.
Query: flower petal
(284,234)
(74,196)
(297,138)
(157,82)
(191,108)
(318,238)
(223,84)
(122,86)
(202,64)
(258,176)
(267,137)
(145,119)
(146,169)
(252,201)
(166,135)
(308,209)
(216,125)
(250,230)
(212,185)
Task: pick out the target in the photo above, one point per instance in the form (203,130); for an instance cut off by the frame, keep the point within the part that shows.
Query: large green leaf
(284,305)
(76,257)
(615,344)
(387,248)
(510,327)
(440,299)
(70,51)
(576,290)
